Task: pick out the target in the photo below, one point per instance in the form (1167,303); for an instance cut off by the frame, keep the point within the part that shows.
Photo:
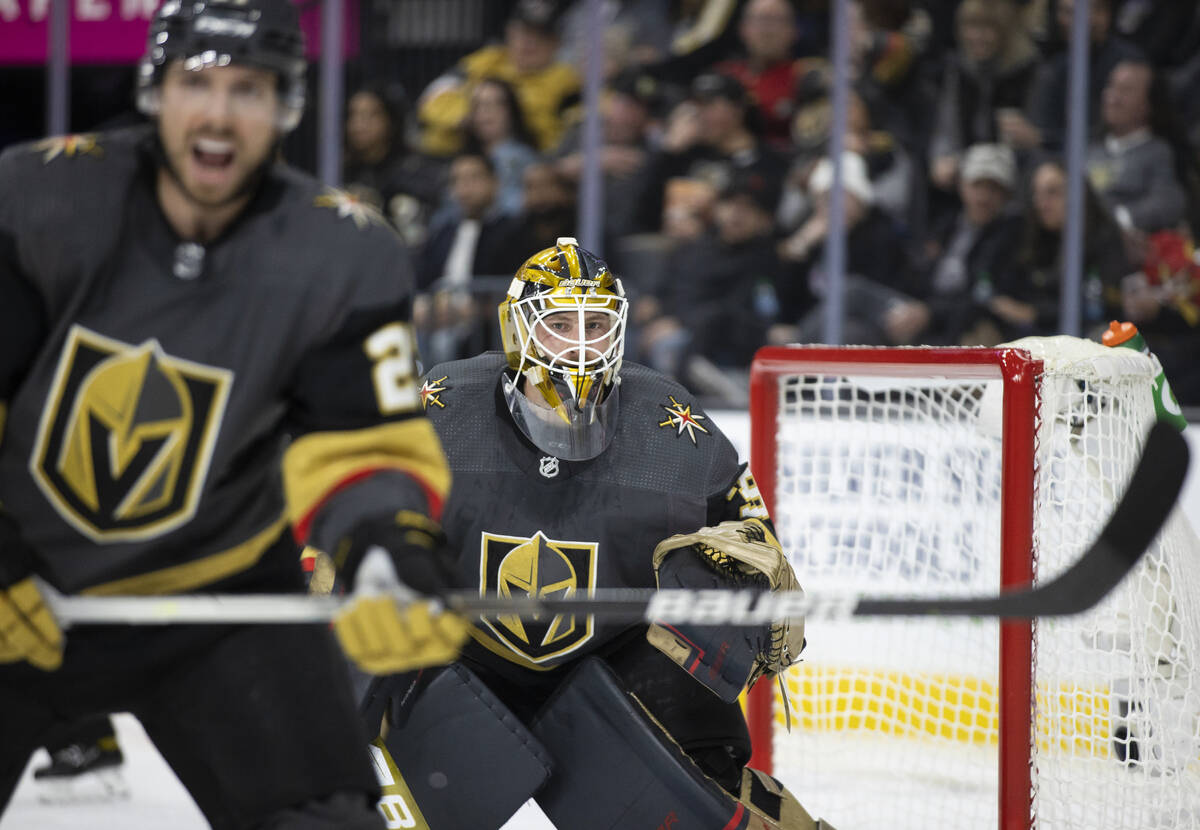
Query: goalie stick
(1149,498)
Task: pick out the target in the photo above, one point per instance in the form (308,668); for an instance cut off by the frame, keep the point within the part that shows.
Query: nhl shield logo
(538,567)
(126,436)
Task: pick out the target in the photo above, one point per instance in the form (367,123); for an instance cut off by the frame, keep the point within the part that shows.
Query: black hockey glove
(28,631)
(383,559)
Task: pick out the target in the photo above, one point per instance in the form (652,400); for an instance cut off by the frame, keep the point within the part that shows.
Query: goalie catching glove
(28,631)
(734,554)
(382,630)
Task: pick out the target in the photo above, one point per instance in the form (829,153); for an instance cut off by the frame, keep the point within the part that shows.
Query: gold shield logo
(126,436)
(545,568)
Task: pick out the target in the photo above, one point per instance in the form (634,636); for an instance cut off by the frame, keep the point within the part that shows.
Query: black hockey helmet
(202,33)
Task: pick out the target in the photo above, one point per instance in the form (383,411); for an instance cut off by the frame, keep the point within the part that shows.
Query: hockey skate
(82,773)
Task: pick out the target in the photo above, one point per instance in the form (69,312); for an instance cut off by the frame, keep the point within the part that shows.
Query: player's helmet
(565,289)
(202,33)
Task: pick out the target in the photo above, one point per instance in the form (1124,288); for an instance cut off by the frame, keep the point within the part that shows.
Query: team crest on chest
(537,566)
(682,418)
(126,436)
(431,391)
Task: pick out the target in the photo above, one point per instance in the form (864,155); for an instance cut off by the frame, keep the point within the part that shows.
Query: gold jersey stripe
(203,571)
(317,463)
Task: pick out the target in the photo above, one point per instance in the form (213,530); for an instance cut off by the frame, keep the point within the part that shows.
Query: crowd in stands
(715,119)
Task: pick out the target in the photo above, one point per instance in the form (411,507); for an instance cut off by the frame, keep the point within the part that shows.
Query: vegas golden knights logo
(545,568)
(126,436)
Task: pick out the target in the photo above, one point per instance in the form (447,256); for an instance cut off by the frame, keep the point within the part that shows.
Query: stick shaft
(1144,509)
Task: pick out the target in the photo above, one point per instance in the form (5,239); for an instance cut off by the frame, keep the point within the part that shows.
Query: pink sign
(114,31)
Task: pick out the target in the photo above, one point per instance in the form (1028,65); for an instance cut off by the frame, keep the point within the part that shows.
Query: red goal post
(1019,373)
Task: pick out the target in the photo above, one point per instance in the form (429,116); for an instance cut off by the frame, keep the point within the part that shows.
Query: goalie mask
(563,327)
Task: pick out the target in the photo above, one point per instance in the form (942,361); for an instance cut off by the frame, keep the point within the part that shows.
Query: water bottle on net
(1126,335)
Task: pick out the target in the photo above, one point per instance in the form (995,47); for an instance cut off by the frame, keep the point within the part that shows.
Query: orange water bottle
(1165,405)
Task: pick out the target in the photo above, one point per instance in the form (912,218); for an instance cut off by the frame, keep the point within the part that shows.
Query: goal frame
(1020,375)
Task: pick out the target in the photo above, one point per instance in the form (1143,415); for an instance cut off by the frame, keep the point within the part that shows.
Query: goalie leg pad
(773,805)
(464,757)
(617,768)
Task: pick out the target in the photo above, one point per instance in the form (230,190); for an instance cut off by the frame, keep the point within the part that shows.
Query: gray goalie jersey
(522,522)
(151,388)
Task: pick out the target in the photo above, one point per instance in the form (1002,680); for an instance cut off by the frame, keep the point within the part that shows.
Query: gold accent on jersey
(396,803)
(682,417)
(348,206)
(537,566)
(79,144)
(126,436)
(746,489)
(191,575)
(318,462)
(431,391)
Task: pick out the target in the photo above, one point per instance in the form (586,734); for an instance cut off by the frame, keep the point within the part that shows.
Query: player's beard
(246,187)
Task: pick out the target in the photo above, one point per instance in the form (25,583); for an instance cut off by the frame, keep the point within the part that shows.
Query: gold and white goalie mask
(563,327)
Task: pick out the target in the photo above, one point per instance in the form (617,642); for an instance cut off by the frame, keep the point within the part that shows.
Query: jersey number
(395,370)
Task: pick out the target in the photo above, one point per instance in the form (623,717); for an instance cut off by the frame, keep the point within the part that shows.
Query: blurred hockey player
(574,473)
(207,361)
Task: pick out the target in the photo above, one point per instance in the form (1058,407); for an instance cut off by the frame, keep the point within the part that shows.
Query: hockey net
(960,470)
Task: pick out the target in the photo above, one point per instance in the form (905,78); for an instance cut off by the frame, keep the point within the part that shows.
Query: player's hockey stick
(1149,498)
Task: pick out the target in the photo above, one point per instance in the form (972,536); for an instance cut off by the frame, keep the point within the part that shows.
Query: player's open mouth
(212,154)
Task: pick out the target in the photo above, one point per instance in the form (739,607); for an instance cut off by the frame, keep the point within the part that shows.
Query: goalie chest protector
(524,522)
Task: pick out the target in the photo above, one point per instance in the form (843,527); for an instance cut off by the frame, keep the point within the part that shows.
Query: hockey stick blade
(1143,510)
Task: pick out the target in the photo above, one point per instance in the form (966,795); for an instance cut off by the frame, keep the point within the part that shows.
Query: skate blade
(99,787)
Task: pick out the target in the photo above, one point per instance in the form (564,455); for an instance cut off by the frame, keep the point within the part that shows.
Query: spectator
(549,206)
(644,24)
(1163,299)
(720,293)
(495,126)
(890,168)
(381,169)
(704,32)
(888,40)
(628,108)
(1132,169)
(648,260)
(879,304)
(1027,300)
(714,136)
(973,250)
(768,69)
(991,70)
(527,60)
(477,239)
(1044,123)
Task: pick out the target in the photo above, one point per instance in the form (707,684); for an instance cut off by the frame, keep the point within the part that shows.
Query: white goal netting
(893,483)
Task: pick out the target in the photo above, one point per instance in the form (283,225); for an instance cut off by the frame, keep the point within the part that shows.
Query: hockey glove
(383,559)
(28,631)
(727,658)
